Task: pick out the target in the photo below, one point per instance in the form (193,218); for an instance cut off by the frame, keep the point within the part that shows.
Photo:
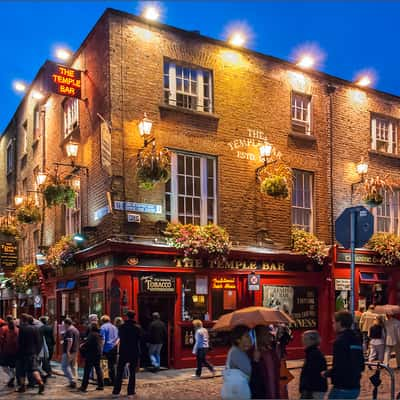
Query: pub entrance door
(164,304)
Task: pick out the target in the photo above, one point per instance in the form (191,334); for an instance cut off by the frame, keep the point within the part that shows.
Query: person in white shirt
(392,329)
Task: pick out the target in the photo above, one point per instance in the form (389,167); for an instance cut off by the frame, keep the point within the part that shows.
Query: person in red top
(9,348)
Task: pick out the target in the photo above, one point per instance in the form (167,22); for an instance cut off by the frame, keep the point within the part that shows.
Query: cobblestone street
(176,384)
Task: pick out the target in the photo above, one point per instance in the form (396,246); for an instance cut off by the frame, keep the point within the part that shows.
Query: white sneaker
(195,376)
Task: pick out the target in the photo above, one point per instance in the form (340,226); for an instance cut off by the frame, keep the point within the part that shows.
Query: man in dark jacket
(30,343)
(47,332)
(157,335)
(348,359)
(130,334)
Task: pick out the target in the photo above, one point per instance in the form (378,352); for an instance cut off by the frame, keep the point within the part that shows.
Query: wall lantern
(265,153)
(145,126)
(41,178)
(72,149)
(362,169)
(18,200)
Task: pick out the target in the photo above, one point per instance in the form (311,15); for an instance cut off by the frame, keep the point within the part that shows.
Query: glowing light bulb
(237,39)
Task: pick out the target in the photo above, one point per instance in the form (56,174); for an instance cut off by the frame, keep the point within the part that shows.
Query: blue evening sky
(352,35)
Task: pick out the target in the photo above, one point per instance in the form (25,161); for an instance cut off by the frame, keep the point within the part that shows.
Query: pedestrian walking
(392,330)
(30,343)
(9,349)
(348,360)
(109,332)
(130,334)
(91,350)
(200,348)
(48,334)
(377,339)
(265,371)
(70,346)
(366,321)
(237,371)
(312,384)
(156,335)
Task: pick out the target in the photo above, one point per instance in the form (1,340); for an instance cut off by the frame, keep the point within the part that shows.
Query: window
(301,113)
(190,196)
(36,243)
(194,298)
(302,200)
(36,123)
(73,217)
(10,199)
(10,156)
(71,115)
(224,296)
(387,214)
(187,87)
(25,137)
(25,186)
(384,135)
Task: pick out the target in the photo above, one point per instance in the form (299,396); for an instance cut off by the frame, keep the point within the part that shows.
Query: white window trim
(392,123)
(203,186)
(391,215)
(70,229)
(308,122)
(311,177)
(199,86)
(70,109)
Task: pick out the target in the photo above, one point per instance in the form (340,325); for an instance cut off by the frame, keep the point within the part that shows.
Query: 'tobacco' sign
(63,80)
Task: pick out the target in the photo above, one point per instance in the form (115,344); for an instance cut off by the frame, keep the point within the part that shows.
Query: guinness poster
(300,302)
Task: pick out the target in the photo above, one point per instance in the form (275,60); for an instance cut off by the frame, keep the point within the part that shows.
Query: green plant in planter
(28,212)
(374,200)
(153,167)
(275,186)
(373,190)
(10,230)
(59,193)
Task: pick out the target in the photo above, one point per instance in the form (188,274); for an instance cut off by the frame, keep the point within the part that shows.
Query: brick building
(212,106)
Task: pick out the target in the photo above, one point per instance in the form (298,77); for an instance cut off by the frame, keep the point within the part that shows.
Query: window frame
(298,122)
(70,109)
(390,216)
(311,178)
(174,194)
(170,93)
(10,162)
(73,217)
(393,134)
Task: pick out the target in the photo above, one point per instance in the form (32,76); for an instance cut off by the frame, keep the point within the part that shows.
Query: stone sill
(384,155)
(303,136)
(168,107)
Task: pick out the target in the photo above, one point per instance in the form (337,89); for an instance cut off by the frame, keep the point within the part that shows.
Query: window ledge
(303,136)
(384,155)
(168,107)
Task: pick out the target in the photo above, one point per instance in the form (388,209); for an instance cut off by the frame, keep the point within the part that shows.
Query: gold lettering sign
(223,283)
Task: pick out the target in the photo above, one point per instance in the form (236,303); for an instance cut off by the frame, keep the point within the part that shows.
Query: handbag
(236,383)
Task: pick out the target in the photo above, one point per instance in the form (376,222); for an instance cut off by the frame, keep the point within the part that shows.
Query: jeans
(69,366)
(111,357)
(337,394)
(89,364)
(201,360)
(120,373)
(154,354)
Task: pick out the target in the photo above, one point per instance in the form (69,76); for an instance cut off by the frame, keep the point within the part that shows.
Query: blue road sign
(364,226)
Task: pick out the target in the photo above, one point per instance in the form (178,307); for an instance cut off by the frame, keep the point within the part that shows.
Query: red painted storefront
(113,277)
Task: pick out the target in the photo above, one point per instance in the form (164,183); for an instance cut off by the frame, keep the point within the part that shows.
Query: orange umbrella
(251,317)
(390,309)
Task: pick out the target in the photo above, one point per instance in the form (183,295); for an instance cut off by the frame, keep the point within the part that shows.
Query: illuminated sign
(223,283)
(63,80)
(8,255)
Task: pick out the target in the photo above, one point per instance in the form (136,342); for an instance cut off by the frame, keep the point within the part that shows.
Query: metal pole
(353,259)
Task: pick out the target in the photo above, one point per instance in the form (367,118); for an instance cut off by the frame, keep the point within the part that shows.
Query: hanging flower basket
(209,241)
(153,167)
(387,246)
(308,245)
(59,193)
(275,186)
(28,212)
(61,254)
(10,230)
(24,277)
(374,189)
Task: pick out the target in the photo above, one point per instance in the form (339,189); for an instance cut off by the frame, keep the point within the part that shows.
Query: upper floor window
(10,156)
(36,123)
(302,200)
(73,217)
(384,135)
(187,87)
(25,137)
(301,113)
(71,115)
(190,196)
(387,214)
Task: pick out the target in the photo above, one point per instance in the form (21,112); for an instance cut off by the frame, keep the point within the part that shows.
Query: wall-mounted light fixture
(41,178)
(145,127)
(362,169)
(265,153)
(18,200)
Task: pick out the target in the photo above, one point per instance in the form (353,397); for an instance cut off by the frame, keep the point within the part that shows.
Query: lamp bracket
(262,168)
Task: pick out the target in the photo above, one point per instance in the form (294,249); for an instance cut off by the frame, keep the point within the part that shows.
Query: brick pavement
(174,384)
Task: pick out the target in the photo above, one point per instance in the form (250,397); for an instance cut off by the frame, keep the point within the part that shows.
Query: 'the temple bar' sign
(63,80)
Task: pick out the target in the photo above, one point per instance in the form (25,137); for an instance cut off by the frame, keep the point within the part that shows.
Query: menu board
(300,302)
(8,256)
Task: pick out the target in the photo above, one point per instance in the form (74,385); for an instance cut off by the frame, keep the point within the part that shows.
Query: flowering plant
(307,244)
(10,230)
(24,278)
(28,212)
(152,167)
(387,246)
(374,189)
(57,193)
(199,241)
(61,254)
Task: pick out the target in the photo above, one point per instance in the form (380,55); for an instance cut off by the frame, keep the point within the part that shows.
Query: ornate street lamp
(41,178)
(18,200)
(145,126)
(362,169)
(72,148)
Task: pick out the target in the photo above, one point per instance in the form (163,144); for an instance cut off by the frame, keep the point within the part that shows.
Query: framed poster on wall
(96,304)
(300,302)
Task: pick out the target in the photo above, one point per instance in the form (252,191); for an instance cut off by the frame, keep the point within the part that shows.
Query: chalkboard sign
(8,256)
(300,302)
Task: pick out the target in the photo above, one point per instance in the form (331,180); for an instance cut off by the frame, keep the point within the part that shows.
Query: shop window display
(195,298)
(96,306)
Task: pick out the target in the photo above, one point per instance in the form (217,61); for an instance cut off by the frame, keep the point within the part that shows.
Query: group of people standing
(26,348)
